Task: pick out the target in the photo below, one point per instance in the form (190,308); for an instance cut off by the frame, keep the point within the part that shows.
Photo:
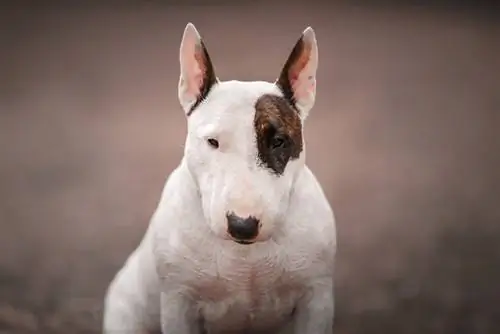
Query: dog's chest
(252,294)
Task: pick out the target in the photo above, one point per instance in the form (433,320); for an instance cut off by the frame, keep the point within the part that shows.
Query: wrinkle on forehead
(242,94)
(231,105)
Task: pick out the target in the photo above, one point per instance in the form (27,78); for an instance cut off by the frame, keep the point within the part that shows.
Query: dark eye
(213,142)
(278,142)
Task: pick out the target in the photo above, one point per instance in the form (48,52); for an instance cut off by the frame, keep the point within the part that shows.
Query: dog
(243,239)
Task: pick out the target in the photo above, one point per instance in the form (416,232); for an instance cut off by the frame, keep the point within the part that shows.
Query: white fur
(187,267)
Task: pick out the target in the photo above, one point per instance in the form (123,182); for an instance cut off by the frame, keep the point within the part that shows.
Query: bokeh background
(404,138)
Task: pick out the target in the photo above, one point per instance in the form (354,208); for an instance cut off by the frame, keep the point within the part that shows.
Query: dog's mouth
(241,241)
(244,242)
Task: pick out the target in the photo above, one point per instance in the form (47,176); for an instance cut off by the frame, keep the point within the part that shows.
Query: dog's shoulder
(308,202)
(311,218)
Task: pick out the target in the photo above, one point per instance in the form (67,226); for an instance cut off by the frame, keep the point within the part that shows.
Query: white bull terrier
(243,239)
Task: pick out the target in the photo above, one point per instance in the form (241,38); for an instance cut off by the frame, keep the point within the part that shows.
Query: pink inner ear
(201,66)
(303,85)
(195,69)
(194,83)
(302,82)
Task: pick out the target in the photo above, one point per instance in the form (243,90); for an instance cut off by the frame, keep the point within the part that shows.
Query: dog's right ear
(297,80)
(197,72)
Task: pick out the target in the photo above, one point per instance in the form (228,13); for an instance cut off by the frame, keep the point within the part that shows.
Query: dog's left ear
(197,72)
(297,80)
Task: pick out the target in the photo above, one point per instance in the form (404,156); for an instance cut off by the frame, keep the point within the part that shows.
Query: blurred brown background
(404,138)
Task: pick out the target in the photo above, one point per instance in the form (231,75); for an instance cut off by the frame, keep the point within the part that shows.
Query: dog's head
(244,145)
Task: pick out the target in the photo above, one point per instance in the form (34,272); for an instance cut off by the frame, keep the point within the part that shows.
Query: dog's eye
(278,142)
(213,142)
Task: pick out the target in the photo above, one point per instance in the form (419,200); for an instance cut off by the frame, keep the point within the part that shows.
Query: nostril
(242,228)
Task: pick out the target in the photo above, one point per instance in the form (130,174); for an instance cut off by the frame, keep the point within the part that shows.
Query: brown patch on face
(278,131)
(294,65)
(209,77)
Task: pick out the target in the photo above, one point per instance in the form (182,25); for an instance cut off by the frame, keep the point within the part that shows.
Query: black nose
(242,228)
